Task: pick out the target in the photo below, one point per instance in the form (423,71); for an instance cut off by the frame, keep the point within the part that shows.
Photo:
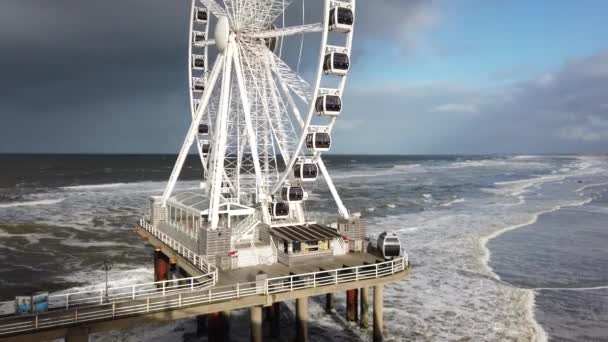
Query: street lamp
(107,266)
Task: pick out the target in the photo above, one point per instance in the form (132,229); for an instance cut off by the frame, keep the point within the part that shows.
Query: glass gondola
(278,209)
(336,63)
(203,129)
(306,172)
(389,245)
(206,148)
(341,19)
(318,142)
(200,15)
(198,62)
(198,38)
(292,194)
(328,105)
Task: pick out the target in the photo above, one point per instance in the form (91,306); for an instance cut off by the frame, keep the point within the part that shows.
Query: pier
(76,315)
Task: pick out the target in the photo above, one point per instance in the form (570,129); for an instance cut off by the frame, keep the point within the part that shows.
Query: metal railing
(131,292)
(179,299)
(197,260)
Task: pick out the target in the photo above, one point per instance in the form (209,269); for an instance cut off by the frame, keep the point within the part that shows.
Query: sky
(428,77)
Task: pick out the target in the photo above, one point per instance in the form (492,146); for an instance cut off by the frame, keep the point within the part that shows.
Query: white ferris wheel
(259,126)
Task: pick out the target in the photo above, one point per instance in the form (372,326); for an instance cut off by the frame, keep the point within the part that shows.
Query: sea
(503,247)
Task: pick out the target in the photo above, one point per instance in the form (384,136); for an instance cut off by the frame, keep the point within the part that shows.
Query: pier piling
(302,319)
(364,309)
(378,313)
(329,302)
(351,305)
(256,323)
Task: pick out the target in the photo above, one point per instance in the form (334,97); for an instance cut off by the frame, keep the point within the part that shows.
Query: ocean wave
(32,203)
(452,202)
(95,186)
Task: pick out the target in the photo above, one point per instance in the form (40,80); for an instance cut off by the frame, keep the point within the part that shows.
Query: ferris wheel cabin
(306,172)
(199,38)
(341,19)
(318,142)
(278,209)
(292,194)
(198,85)
(203,129)
(206,147)
(328,105)
(200,15)
(198,62)
(336,63)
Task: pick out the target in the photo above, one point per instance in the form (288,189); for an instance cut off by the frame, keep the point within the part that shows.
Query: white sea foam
(84,244)
(452,202)
(32,203)
(96,186)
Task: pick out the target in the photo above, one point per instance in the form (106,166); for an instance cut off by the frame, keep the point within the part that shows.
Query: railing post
(133,292)
(36,322)
(237,290)
(266,287)
(291,283)
(356,273)
(336,277)
(67,301)
(191,284)
(376,270)
(179,303)
(101,296)
(164,285)
(314,279)
(76,315)
(392,267)
(148,304)
(113,309)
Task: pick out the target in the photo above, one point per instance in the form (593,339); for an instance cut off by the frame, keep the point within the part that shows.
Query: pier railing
(123,293)
(199,261)
(93,307)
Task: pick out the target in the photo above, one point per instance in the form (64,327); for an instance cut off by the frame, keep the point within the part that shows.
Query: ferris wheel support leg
(192,132)
(247,111)
(218,152)
(330,184)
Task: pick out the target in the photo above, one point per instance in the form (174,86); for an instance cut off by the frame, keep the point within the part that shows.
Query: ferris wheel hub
(222,33)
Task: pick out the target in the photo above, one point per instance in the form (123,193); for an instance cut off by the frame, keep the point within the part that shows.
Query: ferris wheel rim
(276,67)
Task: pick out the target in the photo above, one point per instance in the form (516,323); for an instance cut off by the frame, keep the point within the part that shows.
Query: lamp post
(107,266)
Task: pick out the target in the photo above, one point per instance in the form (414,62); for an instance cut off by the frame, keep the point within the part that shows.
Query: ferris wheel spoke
(296,83)
(288,31)
(247,116)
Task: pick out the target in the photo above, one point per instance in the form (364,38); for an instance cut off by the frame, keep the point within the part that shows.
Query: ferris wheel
(261,117)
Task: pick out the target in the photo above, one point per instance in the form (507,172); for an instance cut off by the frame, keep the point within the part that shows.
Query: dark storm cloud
(110,76)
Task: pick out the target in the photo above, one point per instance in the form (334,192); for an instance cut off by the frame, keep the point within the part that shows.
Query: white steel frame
(254,113)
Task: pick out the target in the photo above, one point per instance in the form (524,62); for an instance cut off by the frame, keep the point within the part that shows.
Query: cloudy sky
(440,77)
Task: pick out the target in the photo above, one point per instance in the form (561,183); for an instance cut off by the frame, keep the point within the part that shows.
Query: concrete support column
(217,327)
(329,302)
(378,313)
(364,307)
(273,315)
(77,334)
(256,323)
(161,266)
(351,305)
(201,325)
(173,269)
(302,319)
